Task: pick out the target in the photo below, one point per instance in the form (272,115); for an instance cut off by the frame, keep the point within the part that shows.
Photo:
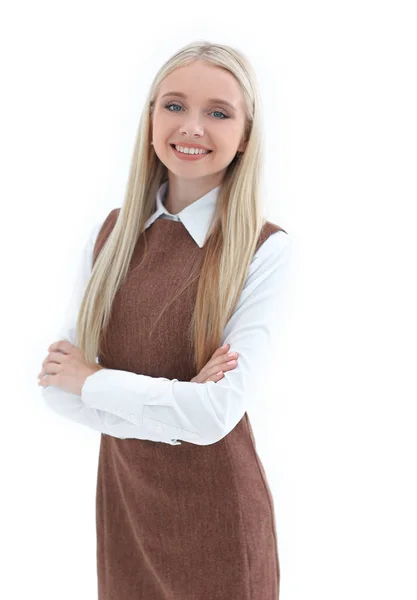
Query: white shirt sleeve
(203,413)
(70,405)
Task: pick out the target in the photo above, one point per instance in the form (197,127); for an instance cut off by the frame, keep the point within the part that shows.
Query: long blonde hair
(234,231)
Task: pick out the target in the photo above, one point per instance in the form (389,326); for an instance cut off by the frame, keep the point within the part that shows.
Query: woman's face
(185,113)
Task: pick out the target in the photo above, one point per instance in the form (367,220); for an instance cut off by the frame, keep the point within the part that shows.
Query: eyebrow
(215,100)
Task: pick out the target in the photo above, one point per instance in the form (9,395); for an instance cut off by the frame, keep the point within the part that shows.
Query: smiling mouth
(207,151)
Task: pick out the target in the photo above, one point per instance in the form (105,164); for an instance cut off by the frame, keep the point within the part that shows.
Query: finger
(56,357)
(215,376)
(222,368)
(227,365)
(61,346)
(51,369)
(49,379)
(222,361)
(221,350)
(45,361)
(216,362)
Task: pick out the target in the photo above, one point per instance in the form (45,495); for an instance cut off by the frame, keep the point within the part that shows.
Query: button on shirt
(129,405)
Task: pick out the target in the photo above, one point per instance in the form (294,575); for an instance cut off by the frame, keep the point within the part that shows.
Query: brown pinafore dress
(176,522)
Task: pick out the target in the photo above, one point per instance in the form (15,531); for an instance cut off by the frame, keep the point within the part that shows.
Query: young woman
(187,269)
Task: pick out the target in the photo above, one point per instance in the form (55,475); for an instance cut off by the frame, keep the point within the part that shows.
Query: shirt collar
(196,217)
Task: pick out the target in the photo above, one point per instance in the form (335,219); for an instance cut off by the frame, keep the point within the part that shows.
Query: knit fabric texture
(176,522)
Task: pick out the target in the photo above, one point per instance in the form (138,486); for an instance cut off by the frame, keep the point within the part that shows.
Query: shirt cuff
(125,394)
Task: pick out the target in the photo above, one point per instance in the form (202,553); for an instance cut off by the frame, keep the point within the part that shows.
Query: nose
(191,126)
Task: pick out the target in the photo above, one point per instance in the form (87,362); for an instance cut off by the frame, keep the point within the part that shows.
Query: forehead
(199,81)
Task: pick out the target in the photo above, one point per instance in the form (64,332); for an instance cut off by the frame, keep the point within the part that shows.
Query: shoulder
(101,229)
(270,265)
(104,226)
(274,246)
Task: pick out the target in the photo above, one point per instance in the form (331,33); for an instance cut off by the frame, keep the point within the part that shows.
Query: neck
(183,192)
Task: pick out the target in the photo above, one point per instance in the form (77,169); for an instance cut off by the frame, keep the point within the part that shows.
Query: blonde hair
(233,235)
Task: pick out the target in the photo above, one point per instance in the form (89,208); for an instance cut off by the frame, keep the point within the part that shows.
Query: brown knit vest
(176,522)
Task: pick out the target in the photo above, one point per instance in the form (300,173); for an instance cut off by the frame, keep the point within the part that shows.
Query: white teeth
(191,150)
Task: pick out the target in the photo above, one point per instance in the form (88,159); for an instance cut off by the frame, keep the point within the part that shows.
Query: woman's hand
(213,370)
(65,368)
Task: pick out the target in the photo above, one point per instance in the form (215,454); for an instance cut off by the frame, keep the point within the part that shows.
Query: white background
(338,84)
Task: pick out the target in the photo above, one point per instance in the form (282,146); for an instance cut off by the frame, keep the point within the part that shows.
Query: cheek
(160,126)
(226,137)
(164,120)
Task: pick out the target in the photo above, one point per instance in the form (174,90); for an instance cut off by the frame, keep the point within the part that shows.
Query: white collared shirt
(196,217)
(129,405)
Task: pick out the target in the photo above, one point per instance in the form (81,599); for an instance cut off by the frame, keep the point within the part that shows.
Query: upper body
(130,405)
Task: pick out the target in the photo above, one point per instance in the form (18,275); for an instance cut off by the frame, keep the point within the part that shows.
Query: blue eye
(167,106)
(172,104)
